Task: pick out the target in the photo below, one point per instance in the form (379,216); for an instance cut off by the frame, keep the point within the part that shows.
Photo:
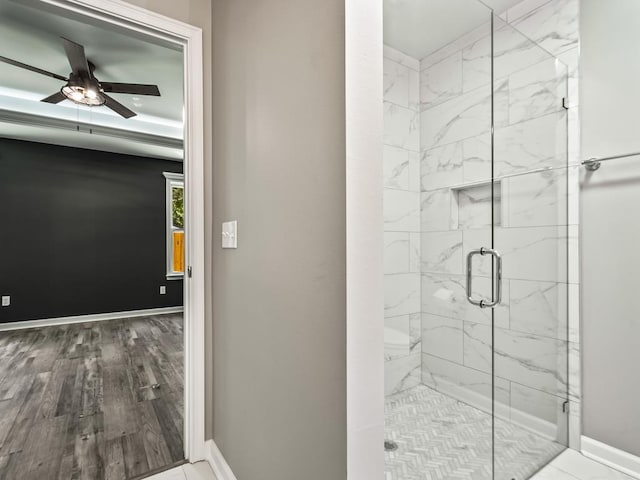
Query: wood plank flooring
(77,402)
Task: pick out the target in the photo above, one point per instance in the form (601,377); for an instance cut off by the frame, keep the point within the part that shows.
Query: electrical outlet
(6,300)
(163,290)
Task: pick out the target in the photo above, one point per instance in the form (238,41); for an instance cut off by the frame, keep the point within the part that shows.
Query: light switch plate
(230,234)
(6,300)
(163,289)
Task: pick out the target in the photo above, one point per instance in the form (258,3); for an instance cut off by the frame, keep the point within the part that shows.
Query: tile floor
(439,437)
(570,465)
(195,471)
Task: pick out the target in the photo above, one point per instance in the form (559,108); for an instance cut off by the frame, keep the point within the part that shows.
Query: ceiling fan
(82,87)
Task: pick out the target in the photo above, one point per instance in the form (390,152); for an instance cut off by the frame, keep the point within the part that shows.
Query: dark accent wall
(81,232)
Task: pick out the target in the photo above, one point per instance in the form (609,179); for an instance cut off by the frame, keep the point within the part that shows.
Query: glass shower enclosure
(476,235)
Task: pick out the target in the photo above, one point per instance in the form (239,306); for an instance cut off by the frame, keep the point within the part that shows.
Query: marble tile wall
(401,158)
(536,228)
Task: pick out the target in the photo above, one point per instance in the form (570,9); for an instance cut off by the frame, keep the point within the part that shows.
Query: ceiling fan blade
(118,107)
(15,63)
(77,58)
(55,98)
(132,88)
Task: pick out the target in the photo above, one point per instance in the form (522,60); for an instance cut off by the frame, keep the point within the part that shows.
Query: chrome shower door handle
(497,273)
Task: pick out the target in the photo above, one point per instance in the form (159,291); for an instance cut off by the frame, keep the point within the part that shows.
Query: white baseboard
(97,317)
(219,465)
(611,456)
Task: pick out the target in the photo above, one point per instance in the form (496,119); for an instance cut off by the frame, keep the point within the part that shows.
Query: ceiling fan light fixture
(83,95)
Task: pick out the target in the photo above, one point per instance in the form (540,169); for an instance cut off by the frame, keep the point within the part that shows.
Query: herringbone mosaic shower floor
(440,438)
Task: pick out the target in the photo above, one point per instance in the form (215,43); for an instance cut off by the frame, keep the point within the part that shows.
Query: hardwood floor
(92,401)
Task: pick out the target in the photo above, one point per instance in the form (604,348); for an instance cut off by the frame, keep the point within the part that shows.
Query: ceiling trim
(22,118)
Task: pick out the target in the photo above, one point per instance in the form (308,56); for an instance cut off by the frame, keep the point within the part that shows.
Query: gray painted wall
(276,317)
(279,299)
(610,103)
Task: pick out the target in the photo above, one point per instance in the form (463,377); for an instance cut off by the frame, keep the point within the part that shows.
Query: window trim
(171,179)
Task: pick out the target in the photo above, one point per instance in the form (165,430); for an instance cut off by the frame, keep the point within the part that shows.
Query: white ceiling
(32,35)
(420,27)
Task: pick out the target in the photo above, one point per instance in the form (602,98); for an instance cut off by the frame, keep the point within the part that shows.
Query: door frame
(364,242)
(149,23)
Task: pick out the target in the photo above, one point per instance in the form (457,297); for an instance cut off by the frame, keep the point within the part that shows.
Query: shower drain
(390,446)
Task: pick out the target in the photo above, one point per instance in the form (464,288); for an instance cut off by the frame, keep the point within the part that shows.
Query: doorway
(137,325)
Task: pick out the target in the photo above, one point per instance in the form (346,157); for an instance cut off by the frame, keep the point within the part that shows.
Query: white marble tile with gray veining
(523,8)
(475,205)
(442,167)
(553,26)
(396,167)
(401,169)
(540,405)
(463,382)
(537,362)
(458,44)
(397,342)
(400,57)
(501,104)
(514,52)
(465,116)
(414,171)
(401,211)
(476,64)
(573,247)
(395,83)
(415,333)
(401,294)
(535,253)
(477,158)
(477,346)
(537,91)
(539,308)
(441,81)
(437,208)
(474,239)
(401,127)
(529,360)
(536,199)
(541,142)
(415,246)
(442,337)
(445,295)
(442,252)
(396,252)
(402,373)
(574,312)
(414,90)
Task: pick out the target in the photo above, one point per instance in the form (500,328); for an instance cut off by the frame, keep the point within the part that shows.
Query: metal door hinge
(189,273)
(564,103)
(565,406)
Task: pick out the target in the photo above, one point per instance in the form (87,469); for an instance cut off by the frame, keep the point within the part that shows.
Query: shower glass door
(475,205)
(529,359)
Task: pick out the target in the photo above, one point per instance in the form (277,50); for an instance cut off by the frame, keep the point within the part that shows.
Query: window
(175,225)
